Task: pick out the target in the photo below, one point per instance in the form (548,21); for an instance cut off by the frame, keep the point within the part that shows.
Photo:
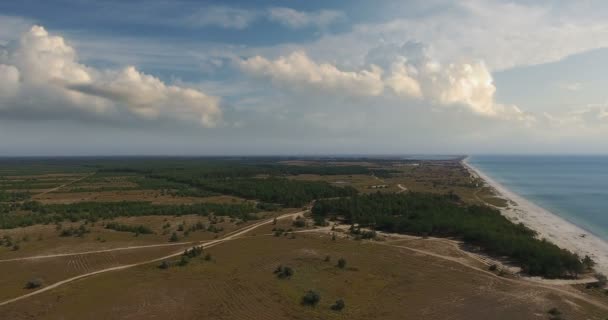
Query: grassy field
(392,277)
(238,283)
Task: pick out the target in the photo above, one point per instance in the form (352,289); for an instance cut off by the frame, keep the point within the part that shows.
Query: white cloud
(390,70)
(300,19)
(41,76)
(504,34)
(297,70)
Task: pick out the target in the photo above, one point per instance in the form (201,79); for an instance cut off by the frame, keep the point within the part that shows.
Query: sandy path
(63,185)
(209,244)
(403,189)
(98,251)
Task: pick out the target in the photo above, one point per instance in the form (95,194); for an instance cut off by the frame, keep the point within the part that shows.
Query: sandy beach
(549,225)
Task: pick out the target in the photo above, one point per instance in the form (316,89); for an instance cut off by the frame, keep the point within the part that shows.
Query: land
(95,237)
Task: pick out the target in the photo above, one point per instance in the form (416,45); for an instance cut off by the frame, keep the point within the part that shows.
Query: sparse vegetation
(140,229)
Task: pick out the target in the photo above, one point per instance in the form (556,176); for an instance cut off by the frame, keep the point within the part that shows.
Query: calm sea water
(574,187)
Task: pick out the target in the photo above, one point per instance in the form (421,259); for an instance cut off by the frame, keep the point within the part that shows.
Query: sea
(573,187)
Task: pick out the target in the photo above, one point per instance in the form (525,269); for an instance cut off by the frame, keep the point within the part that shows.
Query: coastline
(548,225)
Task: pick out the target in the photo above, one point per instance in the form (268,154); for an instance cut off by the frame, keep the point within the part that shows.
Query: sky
(160,77)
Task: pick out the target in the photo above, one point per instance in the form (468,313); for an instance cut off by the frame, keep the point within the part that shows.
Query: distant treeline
(444,216)
(92,211)
(290,193)
(238,169)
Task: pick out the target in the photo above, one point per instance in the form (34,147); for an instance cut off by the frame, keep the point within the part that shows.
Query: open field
(379,281)
(164,206)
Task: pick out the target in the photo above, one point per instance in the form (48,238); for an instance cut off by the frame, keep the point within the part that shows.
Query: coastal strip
(548,225)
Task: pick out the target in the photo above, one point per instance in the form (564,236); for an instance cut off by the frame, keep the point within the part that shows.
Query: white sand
(548,225)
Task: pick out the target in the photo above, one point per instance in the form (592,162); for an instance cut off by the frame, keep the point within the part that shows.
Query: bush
(311,298)
(555,314)
(339,305)
(341,263)
(327,258)
(33,284)
(493,267)
(299,222)
(164,265)
(283,272)
(174,237)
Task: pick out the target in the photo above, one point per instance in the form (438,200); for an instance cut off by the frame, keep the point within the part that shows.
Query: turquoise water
(574,187)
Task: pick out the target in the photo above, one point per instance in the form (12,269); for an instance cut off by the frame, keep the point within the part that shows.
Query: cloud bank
(406,71)
(41,77)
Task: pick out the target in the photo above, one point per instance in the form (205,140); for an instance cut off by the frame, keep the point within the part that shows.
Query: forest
(445,216)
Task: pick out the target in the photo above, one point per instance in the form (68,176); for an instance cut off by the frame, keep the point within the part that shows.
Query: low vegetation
(93,211)
(140,229)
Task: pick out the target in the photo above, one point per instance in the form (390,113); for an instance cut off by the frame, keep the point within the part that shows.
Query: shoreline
(548,225)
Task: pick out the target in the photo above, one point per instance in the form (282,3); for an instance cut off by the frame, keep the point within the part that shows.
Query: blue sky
(303,77)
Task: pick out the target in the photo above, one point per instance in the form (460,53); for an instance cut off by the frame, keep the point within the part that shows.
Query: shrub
(299,222)
(339,305)
(174,237)
(164,265)
(208,257)
(327,258)
(183,261)
(283,272)
(311,298)
(341,263)
(33,284)
(493,267)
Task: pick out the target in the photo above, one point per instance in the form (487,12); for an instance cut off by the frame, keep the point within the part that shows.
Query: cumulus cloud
(41,75)
(407,72)
(297,69)
(300,19)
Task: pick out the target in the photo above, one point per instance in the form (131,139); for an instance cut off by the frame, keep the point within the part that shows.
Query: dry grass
(379,282)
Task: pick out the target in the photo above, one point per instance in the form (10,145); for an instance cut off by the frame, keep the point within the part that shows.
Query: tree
(555,314)
(588,262)
(174,237)
(283,272)
(311,298)
(339,305)
(341,263)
